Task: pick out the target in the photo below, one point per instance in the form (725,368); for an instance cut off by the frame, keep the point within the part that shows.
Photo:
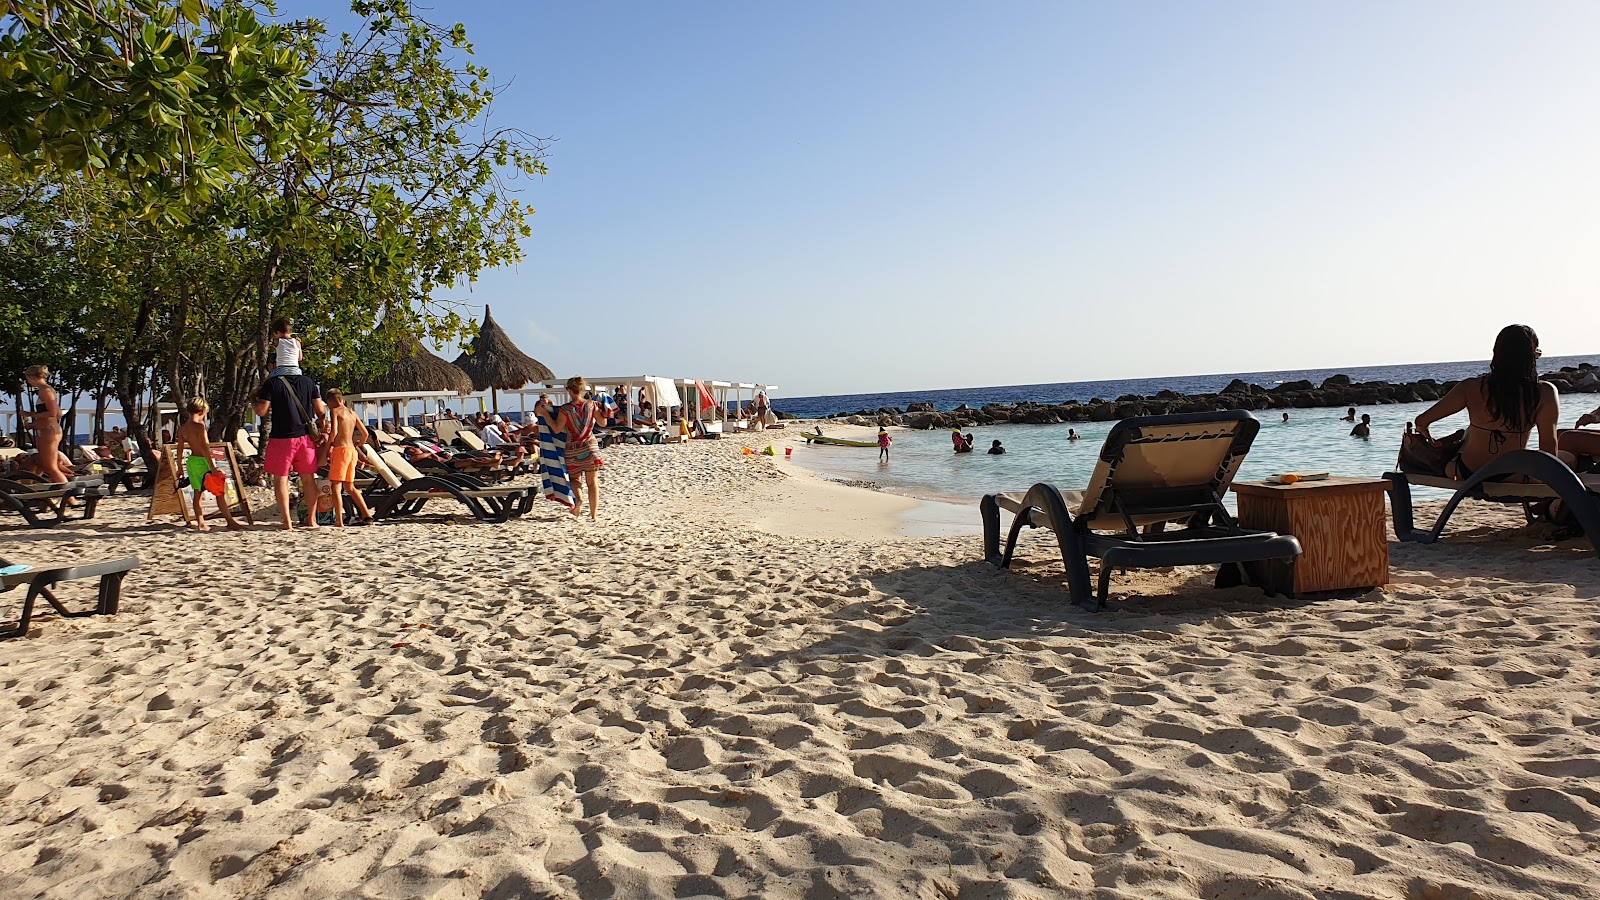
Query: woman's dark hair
(1511,389)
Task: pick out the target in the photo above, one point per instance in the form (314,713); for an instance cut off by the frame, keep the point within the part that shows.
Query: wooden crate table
(1339,521)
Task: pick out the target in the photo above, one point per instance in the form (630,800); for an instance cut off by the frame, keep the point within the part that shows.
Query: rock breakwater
(1335,391)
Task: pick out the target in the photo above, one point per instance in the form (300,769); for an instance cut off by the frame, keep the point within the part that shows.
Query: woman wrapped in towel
(552,456)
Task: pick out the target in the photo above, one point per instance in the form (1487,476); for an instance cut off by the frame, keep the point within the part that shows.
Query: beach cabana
(495,364)
(415,375)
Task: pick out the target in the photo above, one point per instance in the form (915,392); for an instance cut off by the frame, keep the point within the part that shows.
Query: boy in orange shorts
(342,457)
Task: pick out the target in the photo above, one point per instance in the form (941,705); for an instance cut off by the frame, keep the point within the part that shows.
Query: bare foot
(202,527)
(235,526)
(288,527)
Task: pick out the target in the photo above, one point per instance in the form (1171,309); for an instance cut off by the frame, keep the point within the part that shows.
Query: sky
(844,197)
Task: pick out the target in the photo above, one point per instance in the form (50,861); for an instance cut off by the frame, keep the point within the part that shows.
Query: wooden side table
(1340,523)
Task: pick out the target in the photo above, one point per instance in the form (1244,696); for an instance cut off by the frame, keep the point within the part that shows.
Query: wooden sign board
(174,496)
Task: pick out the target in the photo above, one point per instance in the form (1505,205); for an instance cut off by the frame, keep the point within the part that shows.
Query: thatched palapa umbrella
(495,363)
(416,370)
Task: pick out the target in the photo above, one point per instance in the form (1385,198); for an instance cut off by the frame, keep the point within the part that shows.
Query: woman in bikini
(1503,407)
(578,418)
(46,421)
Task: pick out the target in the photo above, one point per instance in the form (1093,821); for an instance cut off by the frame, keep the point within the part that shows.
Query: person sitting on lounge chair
(1581,442)
(1503,407)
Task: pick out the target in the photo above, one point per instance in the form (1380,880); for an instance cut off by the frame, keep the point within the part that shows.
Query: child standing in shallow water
(192,434)
(884,442)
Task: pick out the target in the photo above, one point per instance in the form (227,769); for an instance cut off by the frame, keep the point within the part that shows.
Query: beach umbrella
(415,369)
(495,364)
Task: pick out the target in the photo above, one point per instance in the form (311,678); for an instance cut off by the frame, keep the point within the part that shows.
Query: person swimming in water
(995,449)
(1363,428)
(1072,434)
(1503,408)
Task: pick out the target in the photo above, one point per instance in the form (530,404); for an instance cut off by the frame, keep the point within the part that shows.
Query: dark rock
(1335,381)
(1237,386)
(919,407)
(1290,387)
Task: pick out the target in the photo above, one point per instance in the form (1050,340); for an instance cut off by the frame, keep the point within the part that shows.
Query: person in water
(1503,407)
(1349,415)
(1363,428)
(1285,418)
(884,443)
(967,439)
(995,449)
(1072,434)
(959,445)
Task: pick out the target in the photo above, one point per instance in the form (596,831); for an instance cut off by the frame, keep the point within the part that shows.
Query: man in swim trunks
(342,457)
(291,400)
(192,435)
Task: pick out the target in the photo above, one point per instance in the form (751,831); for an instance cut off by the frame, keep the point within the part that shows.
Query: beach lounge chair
(1548,478)
(43,504)
(1153,471)
(42,581)
(407,490)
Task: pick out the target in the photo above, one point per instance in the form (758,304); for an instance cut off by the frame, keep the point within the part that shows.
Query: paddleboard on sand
(837,442)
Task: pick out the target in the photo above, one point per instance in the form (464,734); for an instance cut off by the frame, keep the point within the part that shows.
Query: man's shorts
(197,467)
(342,464)
(298,453)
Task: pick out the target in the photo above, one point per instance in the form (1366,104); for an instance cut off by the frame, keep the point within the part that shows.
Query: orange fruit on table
(1290,478)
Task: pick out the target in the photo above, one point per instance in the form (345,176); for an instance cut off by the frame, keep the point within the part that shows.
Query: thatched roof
(417,370)
(492,361)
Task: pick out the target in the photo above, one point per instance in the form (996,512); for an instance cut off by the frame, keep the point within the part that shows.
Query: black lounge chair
(43,504)
(1153,471)
(1548,478)
(41,583)
(407,491)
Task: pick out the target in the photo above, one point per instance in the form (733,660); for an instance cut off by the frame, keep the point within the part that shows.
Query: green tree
(173,98)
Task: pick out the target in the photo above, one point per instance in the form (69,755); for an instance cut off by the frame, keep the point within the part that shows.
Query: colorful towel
(553,464)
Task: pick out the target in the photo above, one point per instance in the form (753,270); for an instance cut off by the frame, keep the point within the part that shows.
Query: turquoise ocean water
(922,464)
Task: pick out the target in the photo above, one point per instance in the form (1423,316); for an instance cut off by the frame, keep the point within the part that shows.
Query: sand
(744,681)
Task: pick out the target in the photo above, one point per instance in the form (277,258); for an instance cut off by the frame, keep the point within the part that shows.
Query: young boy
(344,425)
(192,434)
(287,348)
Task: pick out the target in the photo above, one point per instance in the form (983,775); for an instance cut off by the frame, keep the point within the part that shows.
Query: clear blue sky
(872,196)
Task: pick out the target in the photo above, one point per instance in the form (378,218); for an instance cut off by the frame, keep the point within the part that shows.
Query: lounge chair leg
(1079,583)
(1400,507)
(989,509)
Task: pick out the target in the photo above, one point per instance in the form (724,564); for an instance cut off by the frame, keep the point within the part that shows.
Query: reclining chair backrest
(410,432)
(447,430)
(1155,468)
(376,464)
(401,466)
(472,441)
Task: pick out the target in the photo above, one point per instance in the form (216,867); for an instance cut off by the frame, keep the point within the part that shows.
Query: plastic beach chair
(41,582)
(1547,478)
(1153,471)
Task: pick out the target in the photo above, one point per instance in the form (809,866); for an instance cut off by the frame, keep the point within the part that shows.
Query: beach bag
(1418,456)
(215,483)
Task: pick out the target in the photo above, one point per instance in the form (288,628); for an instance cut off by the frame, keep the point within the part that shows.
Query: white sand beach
(746,681)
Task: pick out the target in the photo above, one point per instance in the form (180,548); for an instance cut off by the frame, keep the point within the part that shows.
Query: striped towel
(553,464)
